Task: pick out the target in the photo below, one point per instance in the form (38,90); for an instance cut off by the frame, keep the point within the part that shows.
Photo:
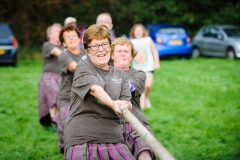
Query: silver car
(218,41)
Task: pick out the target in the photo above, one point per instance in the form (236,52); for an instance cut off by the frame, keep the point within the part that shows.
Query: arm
(155,54)
(56,51)
(138,78)
(101,95)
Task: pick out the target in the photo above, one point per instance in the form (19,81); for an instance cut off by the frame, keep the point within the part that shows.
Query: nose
(72,36)
(100,46)
(122,53)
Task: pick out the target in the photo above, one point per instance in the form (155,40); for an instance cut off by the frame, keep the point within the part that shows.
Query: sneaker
(53,127)
(148,103)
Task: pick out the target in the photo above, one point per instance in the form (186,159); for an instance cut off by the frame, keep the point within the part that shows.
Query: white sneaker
(148,103)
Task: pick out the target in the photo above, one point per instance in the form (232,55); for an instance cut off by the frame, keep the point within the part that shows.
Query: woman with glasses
(92,129)
(122,55)
(69,38)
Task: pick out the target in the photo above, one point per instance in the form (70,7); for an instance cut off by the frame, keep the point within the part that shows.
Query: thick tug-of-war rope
(157,148)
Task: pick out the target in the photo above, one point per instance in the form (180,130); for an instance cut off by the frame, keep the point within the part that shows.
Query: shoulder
(137,73)
(62,47)
(84,64)
(64,54)
(141,74)
(148,39)
(48,44)
(83,51)
(83,54)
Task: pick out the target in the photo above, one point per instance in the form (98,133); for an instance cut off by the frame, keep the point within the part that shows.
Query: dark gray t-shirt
(50,62)
(64,94)
(89,119)
(138,77)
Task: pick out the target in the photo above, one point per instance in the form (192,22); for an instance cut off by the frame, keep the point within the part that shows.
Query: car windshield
(172,30)
(5,32)
(232,32)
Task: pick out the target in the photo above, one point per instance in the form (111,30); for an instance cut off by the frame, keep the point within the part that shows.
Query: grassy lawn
(195,111)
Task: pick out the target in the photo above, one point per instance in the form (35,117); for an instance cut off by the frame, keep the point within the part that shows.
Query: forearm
(155,56)
(154,52)
(101,95)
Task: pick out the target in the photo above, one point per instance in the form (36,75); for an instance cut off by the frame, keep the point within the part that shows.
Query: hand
(116,106)
(56,51)
(157,66)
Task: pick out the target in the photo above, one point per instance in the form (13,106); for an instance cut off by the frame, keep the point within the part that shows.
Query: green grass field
(195,111)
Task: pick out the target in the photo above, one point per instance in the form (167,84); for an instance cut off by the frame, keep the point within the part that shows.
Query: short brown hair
(95,32)
(68,28)
(145,33)
(121,41)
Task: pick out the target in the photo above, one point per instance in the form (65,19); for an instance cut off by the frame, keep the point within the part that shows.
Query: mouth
(101,55)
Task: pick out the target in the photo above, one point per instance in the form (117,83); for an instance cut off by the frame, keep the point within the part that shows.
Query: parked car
(218,41)
(170,39)
(8,45)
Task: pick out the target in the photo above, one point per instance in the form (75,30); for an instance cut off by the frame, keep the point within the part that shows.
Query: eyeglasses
(95,47)
(70,36)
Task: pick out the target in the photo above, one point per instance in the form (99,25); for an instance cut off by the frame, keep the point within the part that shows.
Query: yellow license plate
(175,42)
(1,51)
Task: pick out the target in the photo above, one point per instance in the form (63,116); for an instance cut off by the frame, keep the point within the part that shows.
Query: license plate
(175,42)
(1,51)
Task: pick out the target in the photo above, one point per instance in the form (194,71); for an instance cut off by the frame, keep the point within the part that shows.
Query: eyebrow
(100,43)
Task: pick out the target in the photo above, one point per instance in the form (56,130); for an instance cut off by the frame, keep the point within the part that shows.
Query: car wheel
(196,52)
(230,54)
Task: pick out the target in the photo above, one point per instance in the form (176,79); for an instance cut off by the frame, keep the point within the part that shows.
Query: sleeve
(47,47)
(125,92)
(138,78)
(84,78)
(64,61)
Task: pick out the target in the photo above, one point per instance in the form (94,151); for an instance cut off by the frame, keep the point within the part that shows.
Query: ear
(112,56)
(86,50)
(131,58)
(64,44)
(110,26)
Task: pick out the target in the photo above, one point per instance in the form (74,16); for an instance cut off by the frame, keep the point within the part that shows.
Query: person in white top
(146,60)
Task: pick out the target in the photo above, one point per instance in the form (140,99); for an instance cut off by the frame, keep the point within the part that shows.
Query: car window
(5,31)
(206,32)
(232,32)
(172,30)
(214,32)
(211,32)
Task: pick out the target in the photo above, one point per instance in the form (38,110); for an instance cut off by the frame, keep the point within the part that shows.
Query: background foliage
(29,19)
